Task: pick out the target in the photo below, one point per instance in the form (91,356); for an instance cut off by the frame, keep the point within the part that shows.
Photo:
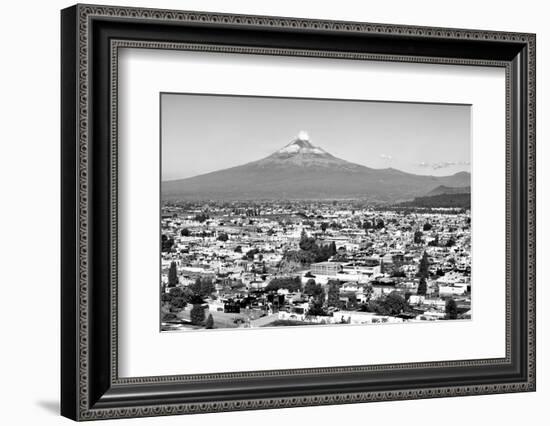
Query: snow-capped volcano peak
(301,145)
(302,153)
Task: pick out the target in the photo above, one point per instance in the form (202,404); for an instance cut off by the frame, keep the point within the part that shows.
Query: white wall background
(29,214)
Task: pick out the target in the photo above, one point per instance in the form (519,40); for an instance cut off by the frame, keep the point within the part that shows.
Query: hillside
(462,201)
(442,189)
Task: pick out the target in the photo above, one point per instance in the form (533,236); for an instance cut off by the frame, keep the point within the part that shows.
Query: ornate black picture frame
(90,38)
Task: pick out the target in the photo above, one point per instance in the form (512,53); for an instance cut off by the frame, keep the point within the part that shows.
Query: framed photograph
(263,212)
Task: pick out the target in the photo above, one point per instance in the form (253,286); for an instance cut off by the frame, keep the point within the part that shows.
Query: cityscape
(268,264)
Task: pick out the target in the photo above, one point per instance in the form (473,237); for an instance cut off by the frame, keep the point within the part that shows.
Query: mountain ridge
(301,170)
(442,189)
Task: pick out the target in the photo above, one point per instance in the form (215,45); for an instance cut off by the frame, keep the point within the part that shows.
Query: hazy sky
(204,133)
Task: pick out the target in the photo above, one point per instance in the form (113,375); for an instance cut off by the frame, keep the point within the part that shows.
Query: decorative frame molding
(91,38)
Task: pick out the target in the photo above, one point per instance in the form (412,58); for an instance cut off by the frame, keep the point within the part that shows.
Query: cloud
(385,157)
(443,164)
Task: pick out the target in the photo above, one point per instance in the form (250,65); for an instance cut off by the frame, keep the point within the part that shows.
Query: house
(458,289)
(415,299)
(216,305)
(326,268)
(431,315)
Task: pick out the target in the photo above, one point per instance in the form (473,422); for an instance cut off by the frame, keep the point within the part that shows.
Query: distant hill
(462,201)
(442,189)
(302,171)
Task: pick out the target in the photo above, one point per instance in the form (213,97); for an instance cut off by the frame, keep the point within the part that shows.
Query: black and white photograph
(280,212)
(287,207)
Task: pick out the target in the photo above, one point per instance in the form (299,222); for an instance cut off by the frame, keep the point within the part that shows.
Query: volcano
(303,171)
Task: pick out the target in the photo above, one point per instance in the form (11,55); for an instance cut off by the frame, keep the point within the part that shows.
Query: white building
(458,289)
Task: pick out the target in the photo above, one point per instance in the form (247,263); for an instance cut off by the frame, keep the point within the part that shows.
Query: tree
(310,287)
(418,237)
(367,292)
(206,287)
(197,314)
(299,256)
(202,287)
(450,242)
(251,253)
(380,224)
(393,304)
(321,253)
(367,224)
(370,306)
(435,241)
(316,308)
(176,299)
(178,303)
(352,301)
(422,287)
(201,217)
(451,309)
(209,322)
(324,226)
(333,296)
(223,237)
(340,258)
(291,284)
(423,267)
(166,243)
(306,243)
(186,297)
(175,292)
(172,275)
(185,232)
(398,273)
(320,293)
(427,226)
(196,286)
